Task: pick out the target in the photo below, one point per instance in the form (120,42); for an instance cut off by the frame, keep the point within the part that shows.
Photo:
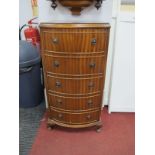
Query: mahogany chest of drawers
(74,61)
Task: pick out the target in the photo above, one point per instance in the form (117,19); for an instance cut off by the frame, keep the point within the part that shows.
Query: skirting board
(121,109)
(46,102)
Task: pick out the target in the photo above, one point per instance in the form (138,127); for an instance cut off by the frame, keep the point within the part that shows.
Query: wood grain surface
(74,60)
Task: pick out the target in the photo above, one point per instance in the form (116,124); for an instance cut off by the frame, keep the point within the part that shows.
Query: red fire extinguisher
(32,33)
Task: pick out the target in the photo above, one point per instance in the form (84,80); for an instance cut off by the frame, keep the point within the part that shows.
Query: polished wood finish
(70,65)
(63,26)
(74,60)
(76,6)
(75,118)
(74,85)
(77,104)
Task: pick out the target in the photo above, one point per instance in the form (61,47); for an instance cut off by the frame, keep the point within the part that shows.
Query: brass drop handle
(91,84)
(56,63)
(55,40)
(88,116)
(93,42)
(60,115)
(92,65)
(58,84)
(90,102)
(59,101)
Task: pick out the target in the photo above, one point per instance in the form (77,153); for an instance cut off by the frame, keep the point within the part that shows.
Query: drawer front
(75,103)
(77,86)
(74,65)
(75,41)
(74,118)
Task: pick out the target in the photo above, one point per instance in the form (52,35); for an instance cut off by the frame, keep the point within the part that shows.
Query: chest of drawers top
(74,25)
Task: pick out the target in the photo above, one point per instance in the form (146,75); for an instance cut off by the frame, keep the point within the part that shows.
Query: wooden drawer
(76,86)
(74,118)
(78,104)
(75,65)
(80,41)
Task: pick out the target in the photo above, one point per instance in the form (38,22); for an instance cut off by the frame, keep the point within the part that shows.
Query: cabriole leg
(99,126)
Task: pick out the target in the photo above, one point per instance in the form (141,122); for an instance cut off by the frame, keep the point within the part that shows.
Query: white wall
(89,14)
(122,93)
(25,12)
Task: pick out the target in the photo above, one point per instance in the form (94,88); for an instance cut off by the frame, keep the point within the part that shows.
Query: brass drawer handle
(88,117)
(56,63)
(59,101)
(60,115)
(93,42)
(90,103)
(55,40)
(91,84)
(92,65)
(58,84)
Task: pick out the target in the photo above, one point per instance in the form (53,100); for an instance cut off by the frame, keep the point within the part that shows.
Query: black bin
(30,87)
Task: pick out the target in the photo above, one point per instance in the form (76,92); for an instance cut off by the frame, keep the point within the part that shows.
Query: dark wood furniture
(76,6)
(74,60)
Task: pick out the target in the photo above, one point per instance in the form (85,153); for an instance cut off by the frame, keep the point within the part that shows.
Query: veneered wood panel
(79,41)
(60,64)
(74,85)
(78,104)
(74,118)
(70,26)
(74,61)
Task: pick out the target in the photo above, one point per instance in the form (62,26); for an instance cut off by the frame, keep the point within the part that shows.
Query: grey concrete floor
(29,121)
